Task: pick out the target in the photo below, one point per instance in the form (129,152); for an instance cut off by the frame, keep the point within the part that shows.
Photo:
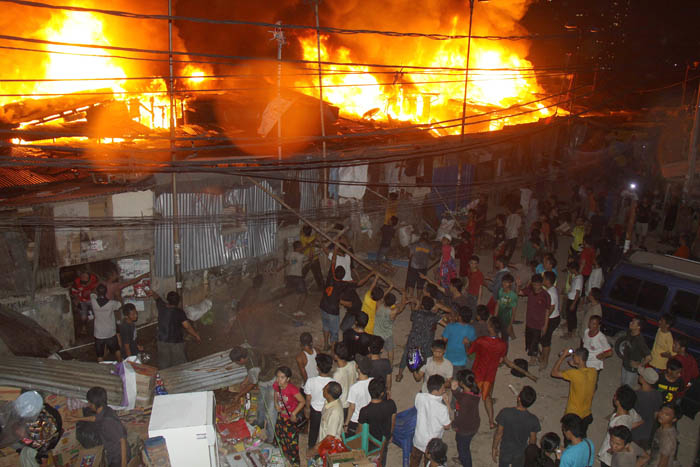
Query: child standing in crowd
(313,388)
(624,415)
(591,308)
(507,302)
(475,278)
(500,265)
(663,447)
(381,368)
(345,372)
(289,403)
(490,351)
(480,325)
(465,393)
(587,257)
(436,364)
(663,343)
(358,395)
(464,252)
(306,358)
(432,420)
(380,414)
(624,452)
(447,269)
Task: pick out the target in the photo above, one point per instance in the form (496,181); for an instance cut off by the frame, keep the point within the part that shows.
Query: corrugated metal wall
(203,244)
(309,195)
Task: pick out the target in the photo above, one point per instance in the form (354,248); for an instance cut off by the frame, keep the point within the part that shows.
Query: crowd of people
(347,381)
(457,367)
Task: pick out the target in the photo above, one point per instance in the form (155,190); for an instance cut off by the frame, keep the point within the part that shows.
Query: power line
(332,30)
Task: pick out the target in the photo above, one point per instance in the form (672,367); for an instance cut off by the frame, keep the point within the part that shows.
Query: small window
(625,289)
(652,296)
(684,304)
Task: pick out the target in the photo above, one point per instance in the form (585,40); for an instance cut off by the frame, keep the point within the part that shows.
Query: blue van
(649,285)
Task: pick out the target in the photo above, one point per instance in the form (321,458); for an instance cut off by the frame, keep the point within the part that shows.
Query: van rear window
(684,305)
(625,289)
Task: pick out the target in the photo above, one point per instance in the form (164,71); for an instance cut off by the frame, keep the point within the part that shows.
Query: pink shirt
(288,398)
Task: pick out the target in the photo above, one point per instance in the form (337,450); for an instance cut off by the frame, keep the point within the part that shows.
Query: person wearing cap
(448,268)
(649,401)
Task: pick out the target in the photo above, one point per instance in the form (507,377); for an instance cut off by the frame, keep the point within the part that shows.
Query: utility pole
(320,96)
(466,67)
(278,35)
(693,149)
(176,225)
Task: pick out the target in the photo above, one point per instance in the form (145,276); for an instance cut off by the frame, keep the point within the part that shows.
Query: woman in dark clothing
(544,456)
(466,421)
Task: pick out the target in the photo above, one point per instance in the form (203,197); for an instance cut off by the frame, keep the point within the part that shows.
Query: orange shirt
(682,252)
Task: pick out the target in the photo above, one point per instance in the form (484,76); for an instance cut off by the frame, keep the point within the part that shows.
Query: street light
(466,67)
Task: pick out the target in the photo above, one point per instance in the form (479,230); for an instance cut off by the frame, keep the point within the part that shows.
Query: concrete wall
(89,244)
(51,310)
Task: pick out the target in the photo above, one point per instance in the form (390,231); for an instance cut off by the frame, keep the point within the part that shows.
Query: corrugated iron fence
(203,242)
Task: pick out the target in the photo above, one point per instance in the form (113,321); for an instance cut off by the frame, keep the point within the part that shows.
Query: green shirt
(507,301)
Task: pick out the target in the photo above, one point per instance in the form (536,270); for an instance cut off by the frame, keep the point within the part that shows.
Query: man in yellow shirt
(582,384)
(308,244)
(369,304)
(663,343)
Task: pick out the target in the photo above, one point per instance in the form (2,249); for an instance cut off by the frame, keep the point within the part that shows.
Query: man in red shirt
(539,305)
(80,291)
(489,351)
(476,279)
(464,252)
(690,365)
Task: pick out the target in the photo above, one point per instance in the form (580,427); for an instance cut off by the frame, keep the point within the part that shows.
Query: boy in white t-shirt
(596,343)
(315,400)
(548,280)
(435,365)
(358,396)
(433,417)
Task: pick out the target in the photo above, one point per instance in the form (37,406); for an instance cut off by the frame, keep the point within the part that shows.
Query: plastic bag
(194,312)
(405,235)
(415,359)
(88,434)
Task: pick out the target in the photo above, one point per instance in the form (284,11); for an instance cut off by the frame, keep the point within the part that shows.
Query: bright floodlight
(633,186)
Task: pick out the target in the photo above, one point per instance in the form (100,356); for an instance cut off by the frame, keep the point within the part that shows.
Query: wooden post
(326,236)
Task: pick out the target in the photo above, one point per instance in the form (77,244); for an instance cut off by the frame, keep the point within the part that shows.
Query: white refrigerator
(186,421)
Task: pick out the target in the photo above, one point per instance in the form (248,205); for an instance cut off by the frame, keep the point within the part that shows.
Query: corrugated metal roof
(65,378)
(206,374)
(10,178)
(203,245)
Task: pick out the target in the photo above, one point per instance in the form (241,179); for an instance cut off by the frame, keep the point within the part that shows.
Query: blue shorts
(331,323)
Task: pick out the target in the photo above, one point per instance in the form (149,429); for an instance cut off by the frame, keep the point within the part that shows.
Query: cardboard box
(94,457)
(349,459)
(8,393)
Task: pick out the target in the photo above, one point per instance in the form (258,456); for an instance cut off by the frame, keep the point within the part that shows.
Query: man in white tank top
(306,358)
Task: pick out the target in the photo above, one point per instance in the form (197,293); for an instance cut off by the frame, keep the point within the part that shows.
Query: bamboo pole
(337,244)
(515,367)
